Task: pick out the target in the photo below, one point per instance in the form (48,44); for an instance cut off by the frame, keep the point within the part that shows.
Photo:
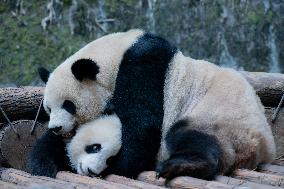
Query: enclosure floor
(267,176)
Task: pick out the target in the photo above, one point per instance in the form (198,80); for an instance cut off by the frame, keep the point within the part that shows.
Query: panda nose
(56,129)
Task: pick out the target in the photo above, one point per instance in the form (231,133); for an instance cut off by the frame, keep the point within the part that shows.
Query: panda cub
(95,144)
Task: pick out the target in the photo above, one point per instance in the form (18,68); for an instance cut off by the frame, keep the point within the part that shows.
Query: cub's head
(95,144)
(77,90)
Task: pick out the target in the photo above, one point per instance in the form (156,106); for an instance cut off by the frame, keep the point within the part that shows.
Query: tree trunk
(21,103)
(269,86)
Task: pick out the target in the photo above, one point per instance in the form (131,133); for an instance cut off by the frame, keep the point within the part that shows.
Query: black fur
(85,69)
(69,106)
(43,74)
(48,156)
(192,153)
(138,100)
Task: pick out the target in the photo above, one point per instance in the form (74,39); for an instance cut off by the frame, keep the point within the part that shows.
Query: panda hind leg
(192,153)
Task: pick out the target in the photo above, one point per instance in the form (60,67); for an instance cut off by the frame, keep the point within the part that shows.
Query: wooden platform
(265,177)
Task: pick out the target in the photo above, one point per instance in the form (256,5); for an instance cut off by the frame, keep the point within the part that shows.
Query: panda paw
(182,166)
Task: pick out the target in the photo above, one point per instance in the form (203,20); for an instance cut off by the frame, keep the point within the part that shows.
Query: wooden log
(243,183)
(271,169)
(131,182)
(261,178)
(7,185)
(22,178)
(25,179)
(183,182)
(269,86)
(15,149)
(150,177)
(94,182)
(21,103)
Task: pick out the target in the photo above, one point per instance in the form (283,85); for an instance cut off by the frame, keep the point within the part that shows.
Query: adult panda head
(78,89)
(95,144)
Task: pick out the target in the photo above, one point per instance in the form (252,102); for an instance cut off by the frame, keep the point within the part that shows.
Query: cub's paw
(180,166)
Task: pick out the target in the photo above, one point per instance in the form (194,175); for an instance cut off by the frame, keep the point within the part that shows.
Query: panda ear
(43,74)
(85,69)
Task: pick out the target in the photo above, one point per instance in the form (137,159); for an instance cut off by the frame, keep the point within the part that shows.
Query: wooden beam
(131,182)
(243,183)
(261,178)
(183,182)
(22,178)
(93,182)
(7,185)
(271,169)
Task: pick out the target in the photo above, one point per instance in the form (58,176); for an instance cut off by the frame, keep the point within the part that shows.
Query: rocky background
(243,34)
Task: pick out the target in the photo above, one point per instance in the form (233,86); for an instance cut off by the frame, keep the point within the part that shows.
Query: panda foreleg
(192,153)
(48,156)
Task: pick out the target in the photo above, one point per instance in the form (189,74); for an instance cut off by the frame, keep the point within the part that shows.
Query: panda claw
(157,175)
(91,172)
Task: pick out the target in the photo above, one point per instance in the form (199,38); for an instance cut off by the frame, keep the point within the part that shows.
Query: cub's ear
(85,69)
(43,74)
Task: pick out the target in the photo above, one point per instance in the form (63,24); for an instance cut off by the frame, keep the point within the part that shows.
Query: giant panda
(198,119)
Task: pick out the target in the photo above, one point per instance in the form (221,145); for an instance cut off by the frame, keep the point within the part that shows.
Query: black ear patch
(43,74)
(85,69)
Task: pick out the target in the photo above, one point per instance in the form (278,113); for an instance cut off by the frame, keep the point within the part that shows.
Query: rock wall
(243,34)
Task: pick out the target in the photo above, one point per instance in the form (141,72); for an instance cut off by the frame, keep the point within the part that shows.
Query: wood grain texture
(183,182)
(93,182)
(261,178)
(21,103)
(271,169)
(16,150)
(269,86)
(131,182)
(243,183)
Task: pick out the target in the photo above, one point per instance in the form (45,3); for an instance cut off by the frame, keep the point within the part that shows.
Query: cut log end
(16,149)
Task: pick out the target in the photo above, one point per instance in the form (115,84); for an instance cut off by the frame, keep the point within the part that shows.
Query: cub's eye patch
(69,106)
(94,148)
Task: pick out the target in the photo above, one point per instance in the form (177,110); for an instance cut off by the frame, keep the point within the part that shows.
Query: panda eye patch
(69,106)
(93,148)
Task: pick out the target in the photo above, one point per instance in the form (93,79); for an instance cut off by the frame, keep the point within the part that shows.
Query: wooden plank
(243,183)
(261,178)
(22,178)
(131,182)
(271,169)
(7,185)
(184,182)
(150,177)
(94,182)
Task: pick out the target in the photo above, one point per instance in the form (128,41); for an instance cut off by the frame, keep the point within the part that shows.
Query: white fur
(105,131)
(219,102)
